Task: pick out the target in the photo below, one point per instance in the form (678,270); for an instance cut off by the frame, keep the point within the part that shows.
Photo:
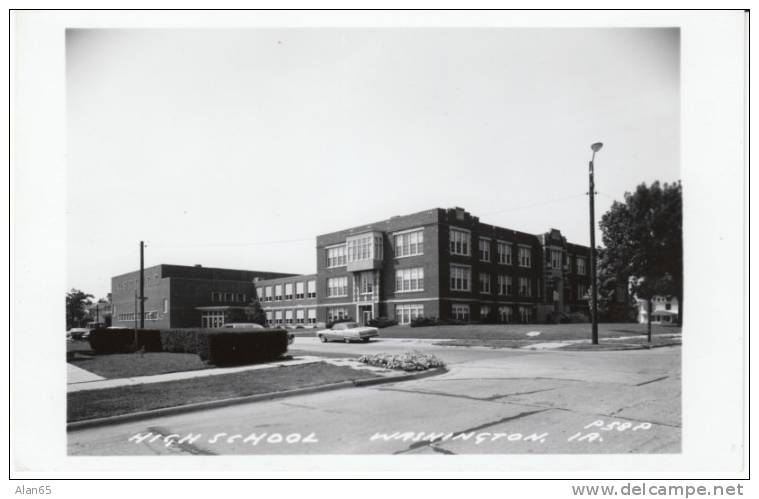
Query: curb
(261,397)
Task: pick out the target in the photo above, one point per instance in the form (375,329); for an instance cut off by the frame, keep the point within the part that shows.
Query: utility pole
(593,285)
(142,285)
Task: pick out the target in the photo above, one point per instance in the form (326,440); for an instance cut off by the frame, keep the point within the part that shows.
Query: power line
(256,243)
(535,205)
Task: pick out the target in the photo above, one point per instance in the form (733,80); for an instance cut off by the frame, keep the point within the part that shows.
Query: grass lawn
(91,404)
(548,332)
(129,365)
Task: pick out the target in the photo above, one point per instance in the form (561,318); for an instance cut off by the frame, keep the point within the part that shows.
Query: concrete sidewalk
(86,380)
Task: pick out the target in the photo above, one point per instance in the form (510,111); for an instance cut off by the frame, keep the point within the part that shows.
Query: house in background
(664,310)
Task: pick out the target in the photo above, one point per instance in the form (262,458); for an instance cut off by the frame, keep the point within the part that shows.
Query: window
(288,291)
(503,253)
(460,312)
(409,243)
(525,314)
(268,293)
(229,297)
(278,317)
(260,294)
(461,278)
(504,285)
(300,316)
(288,317)
(241,298)
(409,280)
(525,256)
(460,242)
(484,283)
(312,289)
(278,292)
(505,313)
(582,290)
(299,293)
(407,312)
(569,263)
(312,316)
(525,288)
(336,256)
(165,306)
(366,247)
(366,283)
(484,312)
(269,316)
(212,320)
(556,258)
(668,306)
(581,269)
(337,286)
(484,249)
(337,313)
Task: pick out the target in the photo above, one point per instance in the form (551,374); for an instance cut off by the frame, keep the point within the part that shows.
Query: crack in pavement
(652,381)
(431,443)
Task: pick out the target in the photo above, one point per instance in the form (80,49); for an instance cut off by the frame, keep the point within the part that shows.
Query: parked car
(253,325)
(242,325)
(78,333)
(347,332)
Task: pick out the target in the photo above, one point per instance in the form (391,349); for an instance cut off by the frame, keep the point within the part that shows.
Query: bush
(106,340)
(434,321)
(408,361)
(577,318)
(179,340)
(381,322)
(244,346)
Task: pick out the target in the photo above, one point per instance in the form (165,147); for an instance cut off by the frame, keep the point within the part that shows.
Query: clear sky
(236,147)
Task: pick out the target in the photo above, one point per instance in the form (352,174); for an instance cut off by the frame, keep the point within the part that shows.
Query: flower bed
(408,361)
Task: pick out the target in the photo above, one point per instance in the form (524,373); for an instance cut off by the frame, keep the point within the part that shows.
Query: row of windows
(228,297)
(504,313)
(300,291)
(131,317)
(370,247)
(337,286)
(407,312)
(460,244)
(461,278)
(291,317)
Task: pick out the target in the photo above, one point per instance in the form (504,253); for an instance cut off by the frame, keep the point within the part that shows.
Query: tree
(76,307)
(643,239)
(255,313)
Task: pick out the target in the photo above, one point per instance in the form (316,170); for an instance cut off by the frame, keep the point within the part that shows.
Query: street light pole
(593,283)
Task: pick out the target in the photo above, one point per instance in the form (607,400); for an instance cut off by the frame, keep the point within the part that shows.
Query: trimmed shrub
(179,340)
(408,361)
(434,321)
(106,340)
(577,318)
(220,347)
(381,322)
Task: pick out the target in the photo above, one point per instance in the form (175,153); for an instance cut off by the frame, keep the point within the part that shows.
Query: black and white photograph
(383,242)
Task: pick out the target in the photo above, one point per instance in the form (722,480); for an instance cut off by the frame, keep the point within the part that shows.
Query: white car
(347,332)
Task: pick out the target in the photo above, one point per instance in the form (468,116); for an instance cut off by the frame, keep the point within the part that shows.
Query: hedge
(238,347)
(180,340)
(381,322)
(107,340)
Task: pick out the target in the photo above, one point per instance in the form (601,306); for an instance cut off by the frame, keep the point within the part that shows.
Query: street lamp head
(597,146)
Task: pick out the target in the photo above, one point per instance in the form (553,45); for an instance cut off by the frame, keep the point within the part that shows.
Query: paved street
(490,402)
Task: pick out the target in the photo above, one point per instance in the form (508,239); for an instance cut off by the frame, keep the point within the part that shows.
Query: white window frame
(484,249)
(528,287)
(484,283)
(457,239)
(402,242)
(311,289)
(337,287)
(277,292)
(525,250)
(504,257)
(411,280)
(407,312)
(300,290)
(335,257)
(460,311)
(289,291)
(465,278)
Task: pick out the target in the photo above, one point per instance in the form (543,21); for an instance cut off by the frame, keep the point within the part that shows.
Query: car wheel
(347,340)
(322,339)
(366,340)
